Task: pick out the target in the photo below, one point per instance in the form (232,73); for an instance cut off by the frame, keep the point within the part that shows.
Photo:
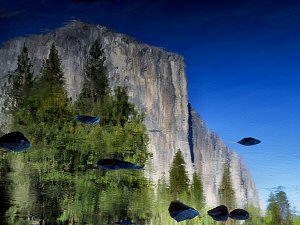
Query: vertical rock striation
(157,85)
(210,155)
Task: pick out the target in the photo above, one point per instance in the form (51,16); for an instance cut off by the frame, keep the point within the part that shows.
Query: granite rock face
(210,155)
(157,85)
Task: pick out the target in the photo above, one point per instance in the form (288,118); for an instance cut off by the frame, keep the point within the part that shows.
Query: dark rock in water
(239,214)
(219,213)
(115,164)
(181,212)
(87,119)
(15,141)
(249,141)
(124,222)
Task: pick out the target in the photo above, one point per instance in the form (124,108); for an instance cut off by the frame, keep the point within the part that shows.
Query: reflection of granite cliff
(157,85)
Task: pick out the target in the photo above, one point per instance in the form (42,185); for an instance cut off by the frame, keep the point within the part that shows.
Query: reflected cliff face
(131,102)
(157,86)
(89,168)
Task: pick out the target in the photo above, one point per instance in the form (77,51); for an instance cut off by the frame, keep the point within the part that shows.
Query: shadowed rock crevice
(191,144)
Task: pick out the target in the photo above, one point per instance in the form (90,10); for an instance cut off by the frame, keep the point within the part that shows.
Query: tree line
(60,180)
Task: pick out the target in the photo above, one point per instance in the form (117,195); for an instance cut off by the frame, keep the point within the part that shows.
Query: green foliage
(226,192)
(96,85)
(45,117)
(296,220)
(52,75)
(57,181)
(274,210)
(162,202)
(197,192)
(179,181)
(95,96)
(279,209)
(19,81)
(62,183)
(164,198)
(113,110)
(256,216)
(123,108)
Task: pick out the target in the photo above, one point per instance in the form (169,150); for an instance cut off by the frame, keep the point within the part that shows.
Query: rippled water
(34,195)
(243,79)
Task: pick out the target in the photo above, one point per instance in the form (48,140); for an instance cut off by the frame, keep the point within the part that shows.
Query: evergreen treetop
(226,191)
(179,181)
(25,67)
(123,108)
(197,191)
(51,71)
(96,85)
(20,80)
(279,208)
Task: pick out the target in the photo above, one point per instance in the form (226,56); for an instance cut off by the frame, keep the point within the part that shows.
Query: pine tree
(50,95)
(96,85)
(274,210)
(52,74)
(285,207)
(197,192)
(179,181)
(123,108)
(20,81)
(279,208)
(226,192)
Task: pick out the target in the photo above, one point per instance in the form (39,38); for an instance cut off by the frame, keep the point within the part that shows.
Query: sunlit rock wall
(210,156)
(157,85)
